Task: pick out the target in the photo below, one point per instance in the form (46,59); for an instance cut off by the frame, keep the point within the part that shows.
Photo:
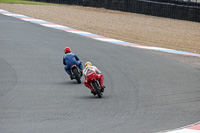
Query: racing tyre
(96,87)
(76,74)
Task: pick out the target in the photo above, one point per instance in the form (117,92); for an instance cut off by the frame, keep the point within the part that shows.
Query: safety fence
(176,9)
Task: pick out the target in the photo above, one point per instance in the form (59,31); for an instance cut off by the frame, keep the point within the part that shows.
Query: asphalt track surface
(146,92)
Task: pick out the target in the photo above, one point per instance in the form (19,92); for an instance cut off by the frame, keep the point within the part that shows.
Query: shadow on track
(73,82)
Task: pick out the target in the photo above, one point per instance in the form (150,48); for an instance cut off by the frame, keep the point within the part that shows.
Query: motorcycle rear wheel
(96,87)
(76,74)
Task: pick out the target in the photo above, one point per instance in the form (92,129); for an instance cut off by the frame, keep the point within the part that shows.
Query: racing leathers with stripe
(87,72)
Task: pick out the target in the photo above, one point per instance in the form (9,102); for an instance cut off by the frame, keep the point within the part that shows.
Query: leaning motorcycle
(76,73)
(96,85)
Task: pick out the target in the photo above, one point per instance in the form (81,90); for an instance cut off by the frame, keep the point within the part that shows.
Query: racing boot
(102,88)
(81,73)
(71,77)
(93,92)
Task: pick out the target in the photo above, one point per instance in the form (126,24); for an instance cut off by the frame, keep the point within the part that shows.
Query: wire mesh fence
(176,9)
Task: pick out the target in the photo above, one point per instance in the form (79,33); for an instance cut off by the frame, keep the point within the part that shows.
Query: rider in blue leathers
(70,59)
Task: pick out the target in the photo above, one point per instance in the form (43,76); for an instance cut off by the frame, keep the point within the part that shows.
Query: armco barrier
(163,8)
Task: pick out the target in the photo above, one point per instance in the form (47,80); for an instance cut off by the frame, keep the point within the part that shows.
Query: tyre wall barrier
(163,8)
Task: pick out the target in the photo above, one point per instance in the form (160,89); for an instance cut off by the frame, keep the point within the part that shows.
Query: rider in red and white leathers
(87,71)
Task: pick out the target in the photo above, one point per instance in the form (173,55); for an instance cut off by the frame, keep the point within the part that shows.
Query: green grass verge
(25,2)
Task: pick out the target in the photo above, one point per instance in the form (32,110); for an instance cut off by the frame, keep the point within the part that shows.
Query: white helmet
(88,64)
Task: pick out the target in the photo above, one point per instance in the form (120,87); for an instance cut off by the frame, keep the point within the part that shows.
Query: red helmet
(67,50)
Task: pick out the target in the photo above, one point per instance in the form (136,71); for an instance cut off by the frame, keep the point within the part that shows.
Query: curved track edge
(93,36)
(194,128)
